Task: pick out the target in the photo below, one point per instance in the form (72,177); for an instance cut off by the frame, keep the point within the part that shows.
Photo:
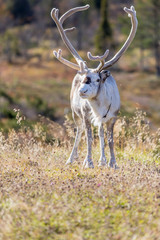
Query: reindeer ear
(104,75)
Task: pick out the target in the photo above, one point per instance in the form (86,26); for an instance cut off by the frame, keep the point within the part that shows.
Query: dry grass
(41,198)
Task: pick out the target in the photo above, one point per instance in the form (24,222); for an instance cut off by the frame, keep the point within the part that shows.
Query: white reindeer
(94,94)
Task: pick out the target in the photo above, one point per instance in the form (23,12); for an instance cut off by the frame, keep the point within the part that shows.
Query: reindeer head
(90,79)
(89,84)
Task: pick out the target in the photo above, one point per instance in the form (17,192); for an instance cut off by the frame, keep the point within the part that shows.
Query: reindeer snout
(82,92)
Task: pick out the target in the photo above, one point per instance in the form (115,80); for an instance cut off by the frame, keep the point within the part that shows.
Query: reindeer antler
(104,65)
(58,55)
(100,59)
(81,65)
(54,14)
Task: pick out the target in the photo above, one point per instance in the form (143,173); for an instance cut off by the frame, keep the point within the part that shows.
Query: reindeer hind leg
(110,127)
(102,161)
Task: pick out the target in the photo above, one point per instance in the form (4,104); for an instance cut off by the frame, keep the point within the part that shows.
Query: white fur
(101,99)
(98,98)
(94,94)
(107,95)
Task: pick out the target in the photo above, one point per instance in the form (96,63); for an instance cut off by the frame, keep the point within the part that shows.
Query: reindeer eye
(88,80)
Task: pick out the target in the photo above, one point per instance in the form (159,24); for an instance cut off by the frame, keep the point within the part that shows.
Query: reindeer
(94,94)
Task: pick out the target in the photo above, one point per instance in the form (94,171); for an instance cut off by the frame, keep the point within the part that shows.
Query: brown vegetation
(41,198)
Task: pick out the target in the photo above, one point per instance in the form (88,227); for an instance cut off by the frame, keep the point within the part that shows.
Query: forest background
(35,84)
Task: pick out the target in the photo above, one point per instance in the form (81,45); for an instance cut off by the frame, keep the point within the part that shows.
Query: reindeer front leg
(74,153)
(102,161)
(88,163)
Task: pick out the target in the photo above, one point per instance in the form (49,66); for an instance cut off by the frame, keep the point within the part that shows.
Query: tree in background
(21,10)
(97,4)
(94,3)
(104,34)
(156,32)
(148,34)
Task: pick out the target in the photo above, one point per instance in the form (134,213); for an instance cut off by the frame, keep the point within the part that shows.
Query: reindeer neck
(101,104)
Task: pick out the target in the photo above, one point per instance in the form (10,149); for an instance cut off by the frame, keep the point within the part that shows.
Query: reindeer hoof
(116,167)
(102,161)
(69,161)
(113,165)
(88,163)
(102,164)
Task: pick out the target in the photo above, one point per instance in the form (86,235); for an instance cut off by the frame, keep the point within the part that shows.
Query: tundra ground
(42,198)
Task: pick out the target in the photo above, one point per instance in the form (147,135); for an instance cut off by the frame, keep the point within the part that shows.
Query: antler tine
(98,58)
(57,12)
(132,14)
(72,11)
(58,55)
(82,67)
(130,11)
(54,15)
(70,29)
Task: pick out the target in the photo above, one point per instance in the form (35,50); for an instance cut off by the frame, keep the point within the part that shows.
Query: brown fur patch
(74,87)
(116,112)
(85,80)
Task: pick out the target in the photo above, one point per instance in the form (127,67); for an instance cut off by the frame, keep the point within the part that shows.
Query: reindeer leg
(112,162)
(102,161)
(88,163)
(74,153)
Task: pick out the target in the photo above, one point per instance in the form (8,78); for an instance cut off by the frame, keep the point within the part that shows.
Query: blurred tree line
(148,34)
(27,24)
